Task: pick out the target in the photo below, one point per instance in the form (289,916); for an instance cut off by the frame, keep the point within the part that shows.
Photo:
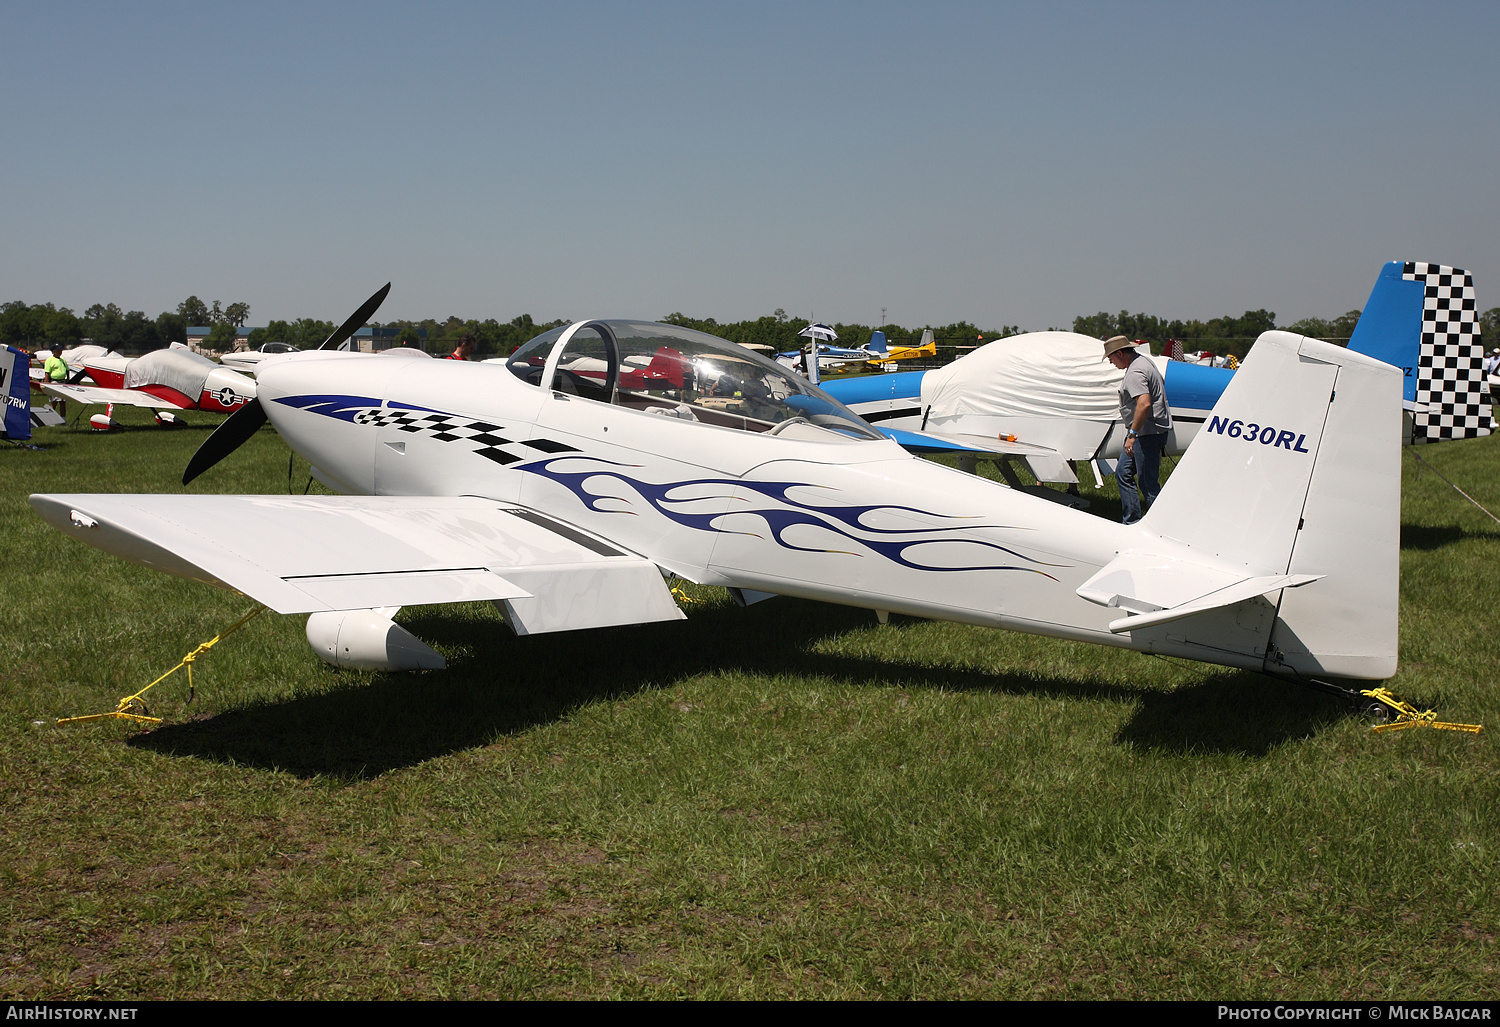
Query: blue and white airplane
(876,352)
(566,483)
(1420,317)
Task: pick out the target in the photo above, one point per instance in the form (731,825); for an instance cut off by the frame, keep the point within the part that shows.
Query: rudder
(1423,318)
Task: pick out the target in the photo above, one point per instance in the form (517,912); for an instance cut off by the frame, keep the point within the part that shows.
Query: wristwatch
(1130,433)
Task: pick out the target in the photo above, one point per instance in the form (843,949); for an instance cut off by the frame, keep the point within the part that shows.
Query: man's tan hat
(1115,344)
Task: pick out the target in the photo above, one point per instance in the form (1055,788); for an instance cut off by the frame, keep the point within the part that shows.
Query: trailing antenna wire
(1460,491)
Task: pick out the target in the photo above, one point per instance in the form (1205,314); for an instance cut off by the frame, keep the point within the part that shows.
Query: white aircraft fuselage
(816,512)
(806,511)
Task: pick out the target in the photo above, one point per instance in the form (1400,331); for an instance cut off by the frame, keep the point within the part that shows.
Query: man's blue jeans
(1138,476)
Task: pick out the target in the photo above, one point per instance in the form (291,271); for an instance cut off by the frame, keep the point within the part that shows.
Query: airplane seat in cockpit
(566,383)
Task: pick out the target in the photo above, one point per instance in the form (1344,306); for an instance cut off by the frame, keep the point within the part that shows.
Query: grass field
(787,800)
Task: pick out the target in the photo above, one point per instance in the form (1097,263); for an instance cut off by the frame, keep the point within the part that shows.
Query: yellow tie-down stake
(1408,716)
(126,710)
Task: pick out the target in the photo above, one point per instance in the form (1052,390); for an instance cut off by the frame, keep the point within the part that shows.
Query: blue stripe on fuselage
(1195,386)
(870,388)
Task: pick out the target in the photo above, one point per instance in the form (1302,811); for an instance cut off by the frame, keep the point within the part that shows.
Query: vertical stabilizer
(15,392)
(1298,473)
(1422,318)
(877,342)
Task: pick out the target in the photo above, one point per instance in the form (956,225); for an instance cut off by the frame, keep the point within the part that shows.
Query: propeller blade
(227,437)
(357,319)
(246,421)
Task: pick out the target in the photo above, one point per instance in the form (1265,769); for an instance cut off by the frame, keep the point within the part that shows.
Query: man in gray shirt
(1143,409)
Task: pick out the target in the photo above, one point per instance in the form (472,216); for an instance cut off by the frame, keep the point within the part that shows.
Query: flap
(405,588)
(302,554)
(927,442)
(1051,468)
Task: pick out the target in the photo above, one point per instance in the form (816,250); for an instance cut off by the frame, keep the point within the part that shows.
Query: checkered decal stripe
(486,438)
(1450,376)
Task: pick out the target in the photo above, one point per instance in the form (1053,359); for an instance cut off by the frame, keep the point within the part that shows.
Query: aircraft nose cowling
(226,390)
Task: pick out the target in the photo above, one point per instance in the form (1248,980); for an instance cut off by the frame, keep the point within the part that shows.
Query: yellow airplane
(927,348)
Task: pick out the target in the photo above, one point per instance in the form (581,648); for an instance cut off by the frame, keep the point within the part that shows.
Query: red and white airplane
(164,380)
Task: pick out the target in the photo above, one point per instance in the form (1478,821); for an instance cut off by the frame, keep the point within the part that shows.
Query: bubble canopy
(671,371)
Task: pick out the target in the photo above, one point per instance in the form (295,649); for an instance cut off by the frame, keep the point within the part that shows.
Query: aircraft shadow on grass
(1426,537)
(54,438)
(503,685)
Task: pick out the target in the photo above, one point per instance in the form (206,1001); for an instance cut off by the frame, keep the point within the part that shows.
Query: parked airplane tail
(15,393)
(1422,318)
(877,342)
(1294,486)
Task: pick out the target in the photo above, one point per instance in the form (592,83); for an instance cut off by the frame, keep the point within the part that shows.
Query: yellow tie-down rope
(674,585)
(1407,715)
(129,704)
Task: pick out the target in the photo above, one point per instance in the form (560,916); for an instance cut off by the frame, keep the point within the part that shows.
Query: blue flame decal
(842,520)
(342,407)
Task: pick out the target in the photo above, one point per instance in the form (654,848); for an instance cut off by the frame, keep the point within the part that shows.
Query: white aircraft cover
(78,354)
(180,369)
(301,554)
(1039,374)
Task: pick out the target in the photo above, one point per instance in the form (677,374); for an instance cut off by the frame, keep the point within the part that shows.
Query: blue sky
(1004,164)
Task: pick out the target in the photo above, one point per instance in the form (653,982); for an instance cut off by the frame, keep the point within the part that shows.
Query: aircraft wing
(927,442)
(89,395)
(306,554)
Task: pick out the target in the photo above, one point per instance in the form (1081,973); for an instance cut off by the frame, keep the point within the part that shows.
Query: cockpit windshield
(677,372)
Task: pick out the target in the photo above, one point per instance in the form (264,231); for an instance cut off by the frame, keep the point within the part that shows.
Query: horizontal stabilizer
(1250,588)
(46,417)
(1158,589)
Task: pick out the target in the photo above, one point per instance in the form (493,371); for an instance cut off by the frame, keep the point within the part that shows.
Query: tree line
(1221,335)
(779,331)
(44,325)
(491,337)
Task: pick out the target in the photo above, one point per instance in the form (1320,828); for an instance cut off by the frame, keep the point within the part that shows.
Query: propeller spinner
(244,422)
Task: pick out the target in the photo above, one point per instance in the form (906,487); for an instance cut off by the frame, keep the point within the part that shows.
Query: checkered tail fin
(1423,318)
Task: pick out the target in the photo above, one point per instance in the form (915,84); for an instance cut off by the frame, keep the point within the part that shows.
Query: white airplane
(1423,318)
(16,417)
(245,361)
(566,496)
(1045,397)
(164,380)
(74,357)
(1049,399)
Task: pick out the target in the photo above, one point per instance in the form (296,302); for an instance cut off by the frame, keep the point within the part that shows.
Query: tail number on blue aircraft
(1252,432)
